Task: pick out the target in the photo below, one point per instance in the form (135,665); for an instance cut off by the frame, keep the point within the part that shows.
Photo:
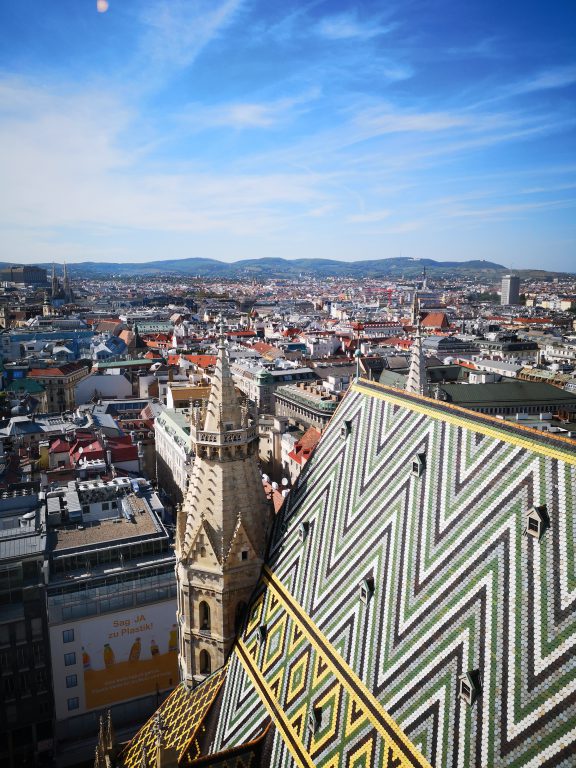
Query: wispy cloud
(364,218)
(177,31)
(498,210)
(68,165)
(559,77)
(347,26)
(486,48)
(385,119)
(242,115)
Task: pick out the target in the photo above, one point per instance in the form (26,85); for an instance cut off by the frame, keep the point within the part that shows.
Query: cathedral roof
(389,581)
(181,715)
(417,606)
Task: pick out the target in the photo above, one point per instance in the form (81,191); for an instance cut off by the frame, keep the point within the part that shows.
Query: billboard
(128,655)
(117,657)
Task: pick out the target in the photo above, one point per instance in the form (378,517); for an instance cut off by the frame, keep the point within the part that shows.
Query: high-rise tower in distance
(510,290)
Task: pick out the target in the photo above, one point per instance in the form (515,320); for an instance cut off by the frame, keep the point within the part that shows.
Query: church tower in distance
(222,528)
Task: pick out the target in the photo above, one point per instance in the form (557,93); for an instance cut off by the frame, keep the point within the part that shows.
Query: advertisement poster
(131,654)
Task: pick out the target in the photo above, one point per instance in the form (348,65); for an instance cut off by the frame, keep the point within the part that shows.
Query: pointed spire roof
(415,308)
(417,382)
(225,498)
(223,411)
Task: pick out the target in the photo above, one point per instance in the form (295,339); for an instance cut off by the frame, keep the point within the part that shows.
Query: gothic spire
(223,412)
(417,382)
(222,527)
(415,308)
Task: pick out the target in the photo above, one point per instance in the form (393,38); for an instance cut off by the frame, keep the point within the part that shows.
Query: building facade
(173,452)
(307,405)
(111,608)
(26,707)
(60,383)
(510,290)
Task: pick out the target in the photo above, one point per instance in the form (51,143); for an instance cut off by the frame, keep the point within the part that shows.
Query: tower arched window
(204,615)
(205,663)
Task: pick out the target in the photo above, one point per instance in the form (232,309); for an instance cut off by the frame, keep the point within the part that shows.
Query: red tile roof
(304,447)
(202,361)
(265,349)
(435,320)
(59,446)
(61,370)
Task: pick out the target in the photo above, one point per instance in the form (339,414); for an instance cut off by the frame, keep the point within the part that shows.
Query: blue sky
(236,129)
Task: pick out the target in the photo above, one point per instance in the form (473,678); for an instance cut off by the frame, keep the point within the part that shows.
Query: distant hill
(289,268)
(261,269)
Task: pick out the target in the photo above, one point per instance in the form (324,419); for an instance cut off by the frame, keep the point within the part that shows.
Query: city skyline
(230,130)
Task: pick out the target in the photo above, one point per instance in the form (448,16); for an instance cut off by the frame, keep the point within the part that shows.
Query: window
(40,676)
(418,464)
(204,610)
(205,663)
(9,686)
(69,659)
(4,634)
(85,509)
(36,625)
(68,636)
(38,652)
(345,429)
(262,632)
(71,681)
(537,522)
(469,686)
(24,683)
(105,506)
(303,529)
(73,703)
(20,632)
(315,719)
(366,589)
(244,554)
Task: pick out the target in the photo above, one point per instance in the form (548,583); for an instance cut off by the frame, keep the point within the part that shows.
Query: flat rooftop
(89,534)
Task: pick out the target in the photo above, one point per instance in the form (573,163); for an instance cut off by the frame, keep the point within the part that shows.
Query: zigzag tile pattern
(457,587)
(181,715)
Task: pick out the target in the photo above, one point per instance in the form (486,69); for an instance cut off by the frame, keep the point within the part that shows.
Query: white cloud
(346,26)
(239,115)
(506,210)
(64,164)
(560,77)
(179,30)
(363,218)
(380,120)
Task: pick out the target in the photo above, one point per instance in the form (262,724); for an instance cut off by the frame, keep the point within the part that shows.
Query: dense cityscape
(105,383)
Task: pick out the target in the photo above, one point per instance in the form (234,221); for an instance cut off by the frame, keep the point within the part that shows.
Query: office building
(510,290)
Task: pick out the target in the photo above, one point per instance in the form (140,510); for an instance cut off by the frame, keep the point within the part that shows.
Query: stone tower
(222,528)
(417,382)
